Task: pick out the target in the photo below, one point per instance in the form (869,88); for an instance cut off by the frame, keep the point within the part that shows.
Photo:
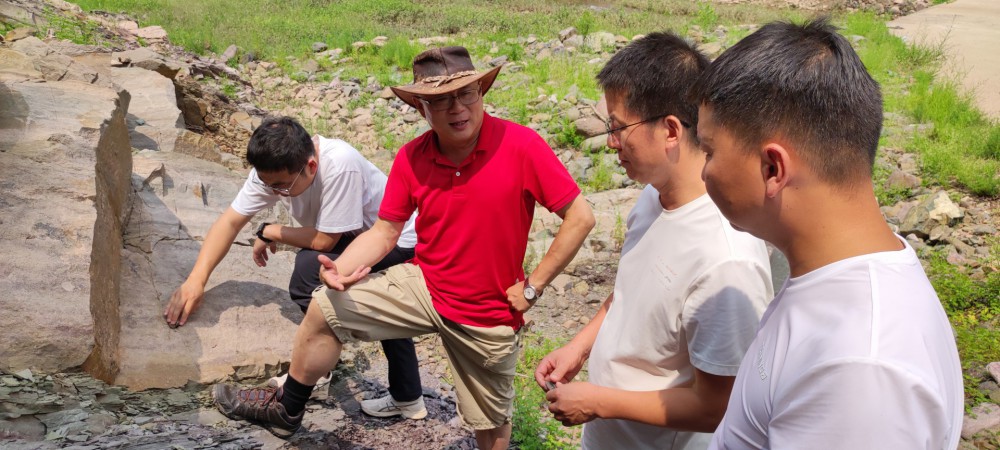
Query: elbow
(325,243)
(588,222)
(584,219)
(322,248)
(710,417)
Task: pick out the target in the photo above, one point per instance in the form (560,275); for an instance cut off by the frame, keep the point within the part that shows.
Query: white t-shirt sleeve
(722,313)
(253,198)
(869,398)
(343,203)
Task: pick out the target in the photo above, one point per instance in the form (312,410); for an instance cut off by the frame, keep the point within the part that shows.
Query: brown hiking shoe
(260,405)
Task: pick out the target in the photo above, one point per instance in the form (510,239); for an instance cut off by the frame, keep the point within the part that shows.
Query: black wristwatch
(260,233)
(530,293)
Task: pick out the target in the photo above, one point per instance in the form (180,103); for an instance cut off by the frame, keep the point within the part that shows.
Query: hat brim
(409,93)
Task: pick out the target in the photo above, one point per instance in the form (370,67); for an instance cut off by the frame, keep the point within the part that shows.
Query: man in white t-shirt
(856,351)
(665,347)
(333,193)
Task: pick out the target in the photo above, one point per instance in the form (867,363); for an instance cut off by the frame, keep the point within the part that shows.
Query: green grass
(963,149)
(533,426)
(973,305)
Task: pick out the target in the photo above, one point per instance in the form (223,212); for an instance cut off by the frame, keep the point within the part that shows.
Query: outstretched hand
(334,280)
(183,302)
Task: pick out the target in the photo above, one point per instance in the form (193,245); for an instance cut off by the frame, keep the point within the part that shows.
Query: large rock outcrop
(49,134)
(246,322)
(97,234)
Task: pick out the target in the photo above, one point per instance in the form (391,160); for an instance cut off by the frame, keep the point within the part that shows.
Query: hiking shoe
(387,407)
(259,405)
(277,382)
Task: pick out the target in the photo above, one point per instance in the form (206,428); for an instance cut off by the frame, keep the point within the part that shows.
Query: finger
(187,312)
(544,369)
(273,246)
(327,263)
(330,279)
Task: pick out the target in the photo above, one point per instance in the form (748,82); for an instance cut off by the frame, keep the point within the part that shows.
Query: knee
(315,324)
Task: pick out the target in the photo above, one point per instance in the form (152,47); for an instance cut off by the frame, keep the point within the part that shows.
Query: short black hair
(279,143)
(806,84)
(655,73)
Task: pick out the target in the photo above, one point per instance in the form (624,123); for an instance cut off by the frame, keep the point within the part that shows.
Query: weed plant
(533,426)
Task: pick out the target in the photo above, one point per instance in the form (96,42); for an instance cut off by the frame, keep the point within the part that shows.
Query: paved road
(970,30)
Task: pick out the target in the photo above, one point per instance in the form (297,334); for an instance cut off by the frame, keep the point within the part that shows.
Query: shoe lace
(259,396)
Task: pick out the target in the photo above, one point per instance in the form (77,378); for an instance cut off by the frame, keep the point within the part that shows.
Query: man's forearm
(688,408)
(578,220)
(302,237)
(216,245)
(370,247)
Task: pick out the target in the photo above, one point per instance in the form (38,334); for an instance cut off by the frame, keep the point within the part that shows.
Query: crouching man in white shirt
(333,193)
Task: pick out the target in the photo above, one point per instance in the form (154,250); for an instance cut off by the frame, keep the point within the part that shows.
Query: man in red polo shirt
(475,180)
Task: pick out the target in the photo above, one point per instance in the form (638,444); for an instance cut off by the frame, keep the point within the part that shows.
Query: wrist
(532,290)
(261,229)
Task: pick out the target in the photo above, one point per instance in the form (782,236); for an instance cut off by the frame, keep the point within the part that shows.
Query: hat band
(438,80)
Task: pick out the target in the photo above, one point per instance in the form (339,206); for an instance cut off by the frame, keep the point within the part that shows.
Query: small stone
(318,47)
(25,375)
(994,369)
(569,324)
(986,416)
(229,53)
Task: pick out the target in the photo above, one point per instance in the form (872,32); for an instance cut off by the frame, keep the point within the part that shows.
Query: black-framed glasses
(466,97)
(280,190)
(616,131)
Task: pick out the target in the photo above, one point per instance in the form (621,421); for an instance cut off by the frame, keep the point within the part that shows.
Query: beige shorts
(395,304)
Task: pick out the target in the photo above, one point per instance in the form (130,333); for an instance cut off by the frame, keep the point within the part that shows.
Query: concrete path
(971,35)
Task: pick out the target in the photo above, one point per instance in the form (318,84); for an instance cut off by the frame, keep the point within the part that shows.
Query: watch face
(529,293)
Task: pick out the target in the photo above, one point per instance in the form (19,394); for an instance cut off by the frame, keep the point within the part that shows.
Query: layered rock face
(102,210)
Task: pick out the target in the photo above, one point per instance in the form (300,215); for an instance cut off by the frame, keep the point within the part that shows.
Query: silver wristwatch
(530,293)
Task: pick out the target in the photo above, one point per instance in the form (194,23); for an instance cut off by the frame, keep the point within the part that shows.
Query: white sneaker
(387,407)
(277,382)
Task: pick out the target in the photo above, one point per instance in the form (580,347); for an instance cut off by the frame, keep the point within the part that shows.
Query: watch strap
(260,232)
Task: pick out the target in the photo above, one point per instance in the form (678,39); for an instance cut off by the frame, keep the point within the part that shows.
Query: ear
(775,168)
(674,127)
(313,164)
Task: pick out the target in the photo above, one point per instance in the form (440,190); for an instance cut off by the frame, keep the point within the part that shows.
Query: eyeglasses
(279,190)
(614,133)
(445,102)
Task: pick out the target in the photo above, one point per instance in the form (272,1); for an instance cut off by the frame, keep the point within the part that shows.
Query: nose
(612,142)
(455,106)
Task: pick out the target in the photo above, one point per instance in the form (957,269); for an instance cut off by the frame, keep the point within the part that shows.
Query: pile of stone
(894,8)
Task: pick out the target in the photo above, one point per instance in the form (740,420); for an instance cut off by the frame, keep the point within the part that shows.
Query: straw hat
(443,70)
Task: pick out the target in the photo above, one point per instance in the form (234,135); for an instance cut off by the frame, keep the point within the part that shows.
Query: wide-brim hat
(443,70)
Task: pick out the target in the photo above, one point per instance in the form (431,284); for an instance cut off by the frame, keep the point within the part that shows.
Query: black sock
(295,396)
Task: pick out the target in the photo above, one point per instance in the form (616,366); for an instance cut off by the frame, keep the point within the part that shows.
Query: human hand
(515,296)
(260,251)
(183,302)
(334,280)
(559,366)
(571,403)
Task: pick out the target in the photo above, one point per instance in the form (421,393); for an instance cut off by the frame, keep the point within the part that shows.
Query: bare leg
(494,439)
(316,349)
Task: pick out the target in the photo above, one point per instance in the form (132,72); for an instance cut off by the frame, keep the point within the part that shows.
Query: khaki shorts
(395,304)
